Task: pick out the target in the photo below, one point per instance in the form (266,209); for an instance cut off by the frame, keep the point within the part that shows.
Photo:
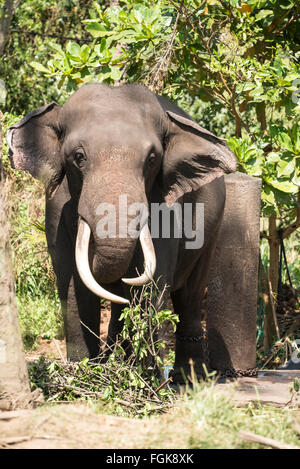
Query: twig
(98,337)
(59,351)
(13,414)
(271,297)
(14,440)
(286,232)
(163,384)
(149,387)
(163,63)
(262,440)
(77,380)
(154,409)
(126,403)
(20,439)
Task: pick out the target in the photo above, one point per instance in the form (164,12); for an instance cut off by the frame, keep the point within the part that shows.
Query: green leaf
(283,186)
(273,157)
(98,30)
(113,13)
(288,6)
(39,67)
(116,74)
(61,82)
(73,48)
(275,129)
(273,95)
(286,168)
(102,45)
(296,180)
(84,52)
(268,194)
(57,47)
(284,141)
(263,14)
(295,135)
(257,93)
(137,13)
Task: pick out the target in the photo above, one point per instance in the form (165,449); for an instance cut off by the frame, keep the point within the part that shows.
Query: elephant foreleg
(187,301)
(115,325)
(81,311)
(189,346)
(80,307)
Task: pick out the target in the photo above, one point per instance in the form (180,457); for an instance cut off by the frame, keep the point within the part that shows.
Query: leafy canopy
(241,56)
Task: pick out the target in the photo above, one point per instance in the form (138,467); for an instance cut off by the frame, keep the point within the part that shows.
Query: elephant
(104,143)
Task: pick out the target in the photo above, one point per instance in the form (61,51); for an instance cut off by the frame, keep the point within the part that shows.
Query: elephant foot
(189,364)
(187,374)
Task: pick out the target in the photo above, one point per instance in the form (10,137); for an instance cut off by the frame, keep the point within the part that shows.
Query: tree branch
(163,64)
(286,232)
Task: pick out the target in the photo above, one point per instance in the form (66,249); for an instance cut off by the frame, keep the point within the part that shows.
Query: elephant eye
(151,158)
(79,159)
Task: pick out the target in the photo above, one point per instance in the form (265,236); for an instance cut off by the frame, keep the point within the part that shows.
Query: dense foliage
(31,29)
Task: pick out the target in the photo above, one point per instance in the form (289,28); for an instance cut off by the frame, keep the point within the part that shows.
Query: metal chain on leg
(227,373)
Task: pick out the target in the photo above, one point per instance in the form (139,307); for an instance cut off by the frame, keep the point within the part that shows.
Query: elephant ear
(193,155)
(35,147)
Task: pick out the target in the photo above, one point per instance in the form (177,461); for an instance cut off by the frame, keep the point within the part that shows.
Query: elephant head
(110,141)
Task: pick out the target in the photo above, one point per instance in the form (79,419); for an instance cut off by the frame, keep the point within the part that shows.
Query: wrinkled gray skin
(136,143)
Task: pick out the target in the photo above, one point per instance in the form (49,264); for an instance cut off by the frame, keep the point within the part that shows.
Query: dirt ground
(56,349)
(66,426)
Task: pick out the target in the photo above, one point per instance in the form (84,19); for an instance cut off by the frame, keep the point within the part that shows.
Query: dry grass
(200,419)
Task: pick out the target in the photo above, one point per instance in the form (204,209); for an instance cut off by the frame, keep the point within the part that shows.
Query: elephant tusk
(83,267)
(150,259)
(9,138)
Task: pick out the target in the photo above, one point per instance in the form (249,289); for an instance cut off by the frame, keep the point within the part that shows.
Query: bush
(35,283)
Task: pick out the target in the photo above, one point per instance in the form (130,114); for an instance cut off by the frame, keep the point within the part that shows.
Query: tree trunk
(261,115)
(270,321)
(232,287)
(5,20)
(270,285)
(14,384)
(274,246)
